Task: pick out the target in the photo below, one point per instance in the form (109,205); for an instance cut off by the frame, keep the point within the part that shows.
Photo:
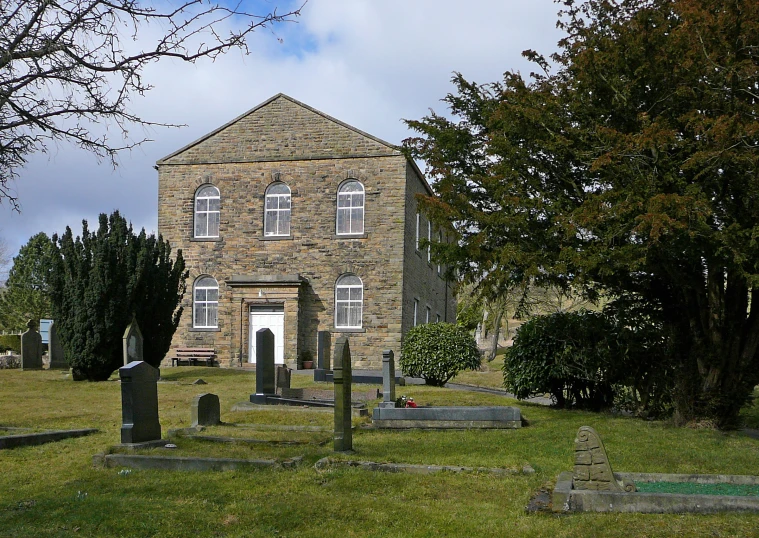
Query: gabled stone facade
(295,275)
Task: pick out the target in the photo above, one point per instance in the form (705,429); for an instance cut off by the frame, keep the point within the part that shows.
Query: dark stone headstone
(55,349)
(265,386)
(342,381)
(388,379)
(205,410)
(139,403)
(282,377)
(31,348)
(323,343)
(132,343)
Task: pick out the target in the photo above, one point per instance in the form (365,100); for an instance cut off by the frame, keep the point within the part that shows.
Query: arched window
(277,212)
(349,300)
(207,211)
(205,303)
(350,208)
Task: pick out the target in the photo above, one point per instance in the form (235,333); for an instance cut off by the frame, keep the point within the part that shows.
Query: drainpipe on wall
(239,355)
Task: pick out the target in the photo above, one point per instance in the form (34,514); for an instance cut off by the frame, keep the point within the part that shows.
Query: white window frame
(429,242)
(418,229)
(272,215)
(354,201)
(428,315)
(440,240)
(416,312)
(354,303)
(205,214)
(211,305)
(438,318)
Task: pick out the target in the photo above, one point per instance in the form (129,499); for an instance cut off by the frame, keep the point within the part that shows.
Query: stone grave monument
(282,378)
(388,379)
(31,348)
(592,469)
(205,410)
(139,403)
(265,383)
(323,343)
(342,380)
(55,349)
(132,343)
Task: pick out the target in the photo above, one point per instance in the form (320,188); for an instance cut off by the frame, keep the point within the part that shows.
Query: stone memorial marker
(205,410)
(282,377)
(323,343)
(388,379)
(132,343)
(592,469)
(265,385)
(55,349)
(31,348)
(342,381)
(139,403)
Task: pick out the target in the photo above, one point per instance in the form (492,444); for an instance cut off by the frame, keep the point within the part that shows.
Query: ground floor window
(205,305)
(349,299)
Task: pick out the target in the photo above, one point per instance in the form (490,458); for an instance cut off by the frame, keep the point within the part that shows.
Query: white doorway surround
(270,317)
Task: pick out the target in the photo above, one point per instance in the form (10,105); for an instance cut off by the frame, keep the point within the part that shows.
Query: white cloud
(369,63)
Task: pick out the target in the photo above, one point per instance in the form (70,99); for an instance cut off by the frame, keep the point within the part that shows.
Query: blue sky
(369,63)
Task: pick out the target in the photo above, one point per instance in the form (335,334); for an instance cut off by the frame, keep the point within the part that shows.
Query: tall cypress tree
(99,281)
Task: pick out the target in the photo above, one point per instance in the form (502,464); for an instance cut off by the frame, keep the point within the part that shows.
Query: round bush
(437,352)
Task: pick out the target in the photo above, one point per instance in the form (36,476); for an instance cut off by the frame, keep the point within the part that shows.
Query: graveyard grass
(54,490)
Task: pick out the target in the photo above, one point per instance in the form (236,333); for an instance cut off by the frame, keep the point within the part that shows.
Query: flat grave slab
(178,463)
(40,438)
(453,417)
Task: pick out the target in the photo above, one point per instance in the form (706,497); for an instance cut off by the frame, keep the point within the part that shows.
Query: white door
(272,318)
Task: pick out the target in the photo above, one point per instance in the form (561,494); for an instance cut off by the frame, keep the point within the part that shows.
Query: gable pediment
(281,129)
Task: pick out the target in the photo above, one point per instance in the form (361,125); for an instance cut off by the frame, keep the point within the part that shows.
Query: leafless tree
(66,65)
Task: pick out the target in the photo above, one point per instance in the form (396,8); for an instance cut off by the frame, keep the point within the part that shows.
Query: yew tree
(628,163)
(100,281)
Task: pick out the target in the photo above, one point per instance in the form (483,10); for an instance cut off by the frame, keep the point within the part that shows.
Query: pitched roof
(281,128)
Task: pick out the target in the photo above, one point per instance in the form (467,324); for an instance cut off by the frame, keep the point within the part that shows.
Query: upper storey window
(277,212)
(207,211)
(350,208)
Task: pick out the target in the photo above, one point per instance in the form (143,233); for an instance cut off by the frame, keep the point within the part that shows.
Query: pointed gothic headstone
(132,343)
(342,378)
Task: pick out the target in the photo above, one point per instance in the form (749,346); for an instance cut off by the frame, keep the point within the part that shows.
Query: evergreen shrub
(437,352)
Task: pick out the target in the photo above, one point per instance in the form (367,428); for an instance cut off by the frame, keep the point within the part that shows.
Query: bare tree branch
(65,66)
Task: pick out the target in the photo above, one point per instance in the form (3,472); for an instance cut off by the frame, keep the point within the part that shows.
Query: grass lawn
(53,489)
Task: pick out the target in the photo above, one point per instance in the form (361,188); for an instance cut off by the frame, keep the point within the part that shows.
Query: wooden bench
(192,355)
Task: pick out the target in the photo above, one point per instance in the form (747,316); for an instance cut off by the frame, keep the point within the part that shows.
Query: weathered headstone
(139,403)
(55,349)
(342,381)
(323,343)
(592,470)
(205,410)
(388,379)
(282,377)
(265,385)
(31,348)
(132,343)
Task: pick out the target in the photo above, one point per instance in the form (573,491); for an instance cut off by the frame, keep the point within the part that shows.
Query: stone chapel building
(293,220)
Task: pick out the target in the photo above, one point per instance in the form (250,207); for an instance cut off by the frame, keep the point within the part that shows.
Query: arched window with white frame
(205,303)
(349,302)
(350,208)
(277,210)
(207,212)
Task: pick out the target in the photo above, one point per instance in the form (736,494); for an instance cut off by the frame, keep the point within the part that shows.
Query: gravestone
(265,384)
(342,380)
(282,377)
(132,343)
(55,349)
(388,379)
(205,410)
(592,469)
(323,343)
(139,403)
(31,348)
